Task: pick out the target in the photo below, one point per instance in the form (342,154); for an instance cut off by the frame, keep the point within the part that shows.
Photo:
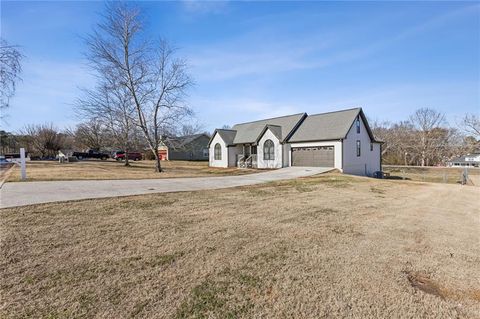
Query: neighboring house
(341,139)
(188,148)
(467,160)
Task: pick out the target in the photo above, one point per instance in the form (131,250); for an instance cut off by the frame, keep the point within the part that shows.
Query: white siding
(337,150)
(211,152)
(368,161)
(277,162)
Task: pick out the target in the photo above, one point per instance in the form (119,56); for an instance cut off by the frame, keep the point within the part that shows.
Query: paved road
(27,193)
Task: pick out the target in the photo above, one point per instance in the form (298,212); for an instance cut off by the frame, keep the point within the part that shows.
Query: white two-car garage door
(318,156)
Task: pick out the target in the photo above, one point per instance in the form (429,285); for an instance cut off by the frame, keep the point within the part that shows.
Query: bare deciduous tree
(397,138)
(45,139)
(154,78)
(110,105)
(470,123)
(10,69)
(424,140)
(89,135)
(426,121)
(191,129)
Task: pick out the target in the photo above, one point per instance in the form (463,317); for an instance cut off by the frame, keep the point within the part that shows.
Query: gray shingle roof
(182,141)
(249,132)
(297,127)
(276,130)
(325,126)
(226,135)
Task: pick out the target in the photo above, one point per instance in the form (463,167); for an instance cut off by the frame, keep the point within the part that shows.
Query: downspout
(381,168)
(341,141)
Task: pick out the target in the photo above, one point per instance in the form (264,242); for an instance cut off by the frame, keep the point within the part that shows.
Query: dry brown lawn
(96,169)
(5,171)
(332,246)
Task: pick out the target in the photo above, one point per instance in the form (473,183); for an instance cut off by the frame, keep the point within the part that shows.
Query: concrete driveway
(27,193)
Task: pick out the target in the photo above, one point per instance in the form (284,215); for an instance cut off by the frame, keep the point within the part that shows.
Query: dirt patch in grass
(421,281)
(308,248)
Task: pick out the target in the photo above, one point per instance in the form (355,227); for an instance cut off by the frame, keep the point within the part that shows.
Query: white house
(341,139)
(467,160)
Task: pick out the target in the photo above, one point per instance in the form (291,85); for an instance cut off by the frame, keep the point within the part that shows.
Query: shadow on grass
(398,178)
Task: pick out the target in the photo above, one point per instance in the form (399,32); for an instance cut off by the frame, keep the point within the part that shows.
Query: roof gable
(367,126)
(250,131)
(328,126)
(226,135)
(275,129)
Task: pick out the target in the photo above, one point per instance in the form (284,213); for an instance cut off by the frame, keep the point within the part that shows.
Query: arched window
(268,150)
(217,154)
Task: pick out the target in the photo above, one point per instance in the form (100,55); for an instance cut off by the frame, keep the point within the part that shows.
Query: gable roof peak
(327,126)
(338,111)
(272,118)
(227,135)
(248,132)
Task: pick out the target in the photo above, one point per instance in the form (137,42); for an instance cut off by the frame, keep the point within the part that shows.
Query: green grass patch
(226,296)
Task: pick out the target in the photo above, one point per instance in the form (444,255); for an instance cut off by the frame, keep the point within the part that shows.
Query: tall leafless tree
(470,124)
(426,121)
(10,69)
(110,105)
(156,80)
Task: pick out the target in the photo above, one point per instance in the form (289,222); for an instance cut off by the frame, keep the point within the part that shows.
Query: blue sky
(252,60)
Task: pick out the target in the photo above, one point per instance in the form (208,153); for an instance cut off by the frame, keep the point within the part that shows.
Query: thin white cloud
(264,52)
(204,7)
(260,54)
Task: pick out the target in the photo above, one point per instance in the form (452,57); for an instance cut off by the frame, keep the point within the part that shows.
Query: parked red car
(120,156)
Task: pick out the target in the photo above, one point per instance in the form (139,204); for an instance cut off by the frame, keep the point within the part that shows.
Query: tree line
(45,140)
(426,138)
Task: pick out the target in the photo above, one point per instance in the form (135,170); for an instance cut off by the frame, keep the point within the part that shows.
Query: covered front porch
(247,156)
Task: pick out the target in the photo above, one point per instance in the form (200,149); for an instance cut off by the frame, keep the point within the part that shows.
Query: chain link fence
(448,175)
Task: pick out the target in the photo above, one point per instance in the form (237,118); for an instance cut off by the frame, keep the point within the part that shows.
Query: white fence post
(23,165)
